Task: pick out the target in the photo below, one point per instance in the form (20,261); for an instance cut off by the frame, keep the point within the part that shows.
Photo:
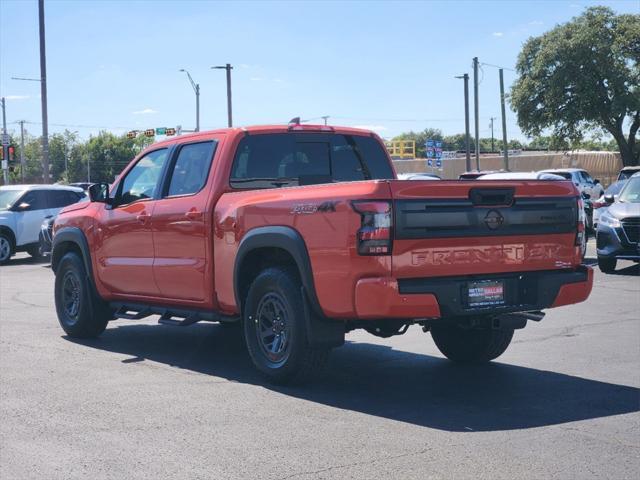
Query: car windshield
(566,175)
(624,174)
(614,188)
(8,197)
(631,191)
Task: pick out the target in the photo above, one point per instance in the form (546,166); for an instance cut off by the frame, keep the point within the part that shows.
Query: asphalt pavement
(147,401)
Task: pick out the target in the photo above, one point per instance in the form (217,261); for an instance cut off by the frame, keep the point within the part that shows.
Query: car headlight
(609,221)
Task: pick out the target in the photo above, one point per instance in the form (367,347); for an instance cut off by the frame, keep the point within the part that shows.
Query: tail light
(374,235)
(581,223)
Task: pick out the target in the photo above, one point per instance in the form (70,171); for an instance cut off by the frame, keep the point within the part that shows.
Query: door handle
(193,215)
(143,217)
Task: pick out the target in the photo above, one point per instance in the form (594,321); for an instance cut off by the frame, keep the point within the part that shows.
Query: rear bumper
(382,298)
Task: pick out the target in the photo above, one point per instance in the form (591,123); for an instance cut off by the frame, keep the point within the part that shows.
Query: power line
(497,66)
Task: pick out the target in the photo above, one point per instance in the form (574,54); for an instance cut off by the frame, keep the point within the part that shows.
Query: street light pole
(22,164)
(465,77)
(196,89)
(492,141)
(5,145)
(43,94)
(228,68)
(476,110)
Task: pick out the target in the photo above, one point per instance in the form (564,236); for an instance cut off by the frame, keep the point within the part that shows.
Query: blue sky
(389,66)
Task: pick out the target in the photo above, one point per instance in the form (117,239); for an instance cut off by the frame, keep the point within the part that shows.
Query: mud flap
(321,332)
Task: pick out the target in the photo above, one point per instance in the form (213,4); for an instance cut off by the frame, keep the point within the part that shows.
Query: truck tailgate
(453,228)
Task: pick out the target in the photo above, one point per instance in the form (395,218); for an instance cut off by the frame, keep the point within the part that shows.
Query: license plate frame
(485,293)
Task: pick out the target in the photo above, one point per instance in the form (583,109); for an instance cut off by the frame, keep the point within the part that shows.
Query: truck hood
(622,210)
(75,206)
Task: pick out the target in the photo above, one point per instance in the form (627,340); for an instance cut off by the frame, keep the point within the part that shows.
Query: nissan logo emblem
(493,220)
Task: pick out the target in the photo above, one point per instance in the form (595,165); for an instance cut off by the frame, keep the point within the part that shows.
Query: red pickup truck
(302,233)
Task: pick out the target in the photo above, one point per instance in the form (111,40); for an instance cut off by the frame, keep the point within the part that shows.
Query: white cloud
(497,34)
(536,22)
(146,111)
(16,97)
(375,128)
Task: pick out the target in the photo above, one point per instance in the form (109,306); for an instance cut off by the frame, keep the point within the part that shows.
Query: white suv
(23,208)
(580,179)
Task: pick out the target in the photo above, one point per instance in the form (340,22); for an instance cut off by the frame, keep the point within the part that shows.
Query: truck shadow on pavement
(378,380)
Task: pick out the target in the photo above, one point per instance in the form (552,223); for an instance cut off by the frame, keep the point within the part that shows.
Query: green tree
(583,75)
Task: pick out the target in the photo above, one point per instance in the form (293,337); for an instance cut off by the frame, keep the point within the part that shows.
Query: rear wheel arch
(273,246)
(9,233)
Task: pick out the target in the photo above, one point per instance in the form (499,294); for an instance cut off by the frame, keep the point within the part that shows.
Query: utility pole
(228,68)
(493,146)
(325,117)
(43,94)
(89,168)
(476,111)
(467,140)
(23,167)
(5,145)
(504,123)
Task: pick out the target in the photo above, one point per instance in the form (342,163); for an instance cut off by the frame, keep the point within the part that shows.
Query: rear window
(277,160)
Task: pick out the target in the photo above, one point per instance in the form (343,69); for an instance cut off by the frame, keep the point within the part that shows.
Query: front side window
(191,168)
(142,180)
(35,199)
(276,160)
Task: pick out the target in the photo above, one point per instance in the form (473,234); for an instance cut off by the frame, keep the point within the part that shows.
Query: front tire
(34,252)
(468,345)
(607,265)
(80,313)
(274,329)
(6,248)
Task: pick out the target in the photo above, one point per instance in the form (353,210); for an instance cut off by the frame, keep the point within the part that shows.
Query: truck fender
(320,331)
(72,239)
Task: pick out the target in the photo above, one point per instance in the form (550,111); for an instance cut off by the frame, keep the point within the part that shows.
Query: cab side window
(142,180)
(191,168)
(36,199)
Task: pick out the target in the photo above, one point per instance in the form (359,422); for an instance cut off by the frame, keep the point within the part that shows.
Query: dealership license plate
(485,293)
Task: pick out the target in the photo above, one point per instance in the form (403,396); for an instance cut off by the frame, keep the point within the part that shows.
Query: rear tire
(80,313)
(275,331)
(6,248)
(607,265)
(466,345)
(34,252)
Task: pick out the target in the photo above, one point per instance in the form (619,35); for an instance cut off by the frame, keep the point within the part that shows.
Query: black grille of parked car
(631,228)
(48,232)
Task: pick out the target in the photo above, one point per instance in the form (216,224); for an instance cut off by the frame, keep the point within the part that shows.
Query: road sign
(429,162)
(161,131)
(5,139)
(438,163)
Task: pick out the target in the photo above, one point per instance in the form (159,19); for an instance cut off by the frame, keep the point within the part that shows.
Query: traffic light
(170,131)
(12,151)
(131,134)
(150,132)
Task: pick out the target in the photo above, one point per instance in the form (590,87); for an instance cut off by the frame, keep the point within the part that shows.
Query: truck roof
(304,127)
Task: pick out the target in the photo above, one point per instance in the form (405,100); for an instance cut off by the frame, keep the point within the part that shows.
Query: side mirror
(596,181)
(99,192)
(609,199)
(586,196)
(21,207)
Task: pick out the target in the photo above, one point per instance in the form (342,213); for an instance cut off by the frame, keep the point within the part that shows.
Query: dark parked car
(474,174)
(45,236)
(618,234)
